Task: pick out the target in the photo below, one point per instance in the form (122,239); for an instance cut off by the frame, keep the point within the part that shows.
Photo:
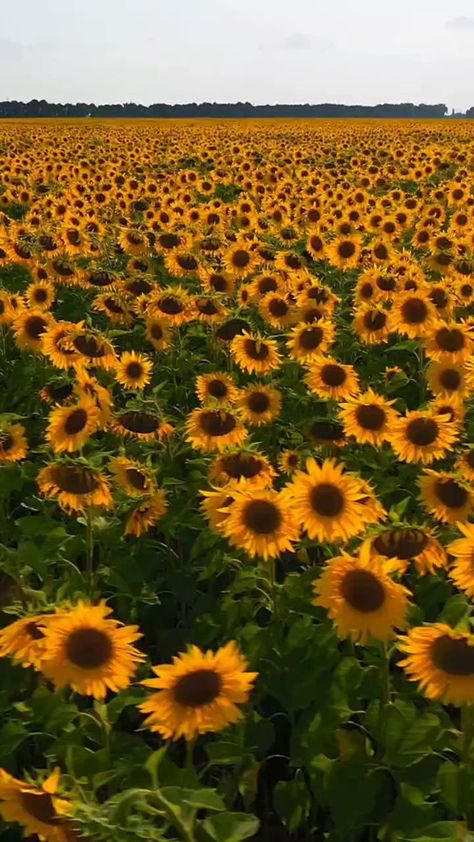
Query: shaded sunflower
(36,808)
(75,486)
(461,570)
(259,404)
(442,661)
(239,260)
(158,332)
(465,465)
(137,424)
(326,433)
(446,378)
(422,436)
(412,315)
(41,295)
(254,354)
(29,326)
(56,345)
(134,371)
(88,387)
(260,522)
(361,599)
(450,342)
(13,443)
(368,417)
(215,504)
(407,543)
(216,386)
(197,693)
(371,324)
(214,429)
(447,496)
(94,349)
(328,503)
(146,514)
(71,426)
(23,640)
(254,468)
(172,305)
(289,461)
(307,342)
(56,392)
(130,476)
(344,252)
(277,310)
(332,380)
(86,649)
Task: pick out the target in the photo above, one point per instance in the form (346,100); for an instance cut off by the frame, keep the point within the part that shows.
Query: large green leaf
(231,827)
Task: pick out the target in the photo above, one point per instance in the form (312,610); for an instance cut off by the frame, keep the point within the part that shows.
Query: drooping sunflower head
(235,465)
(13,443)
(254,354)
(447,496)
(146,514)
(326,433)
(130,476)
(36,808)
(406,543)
(23,640)
(441,660)
(198,693)
(141,424)
(215,428)
(75,486)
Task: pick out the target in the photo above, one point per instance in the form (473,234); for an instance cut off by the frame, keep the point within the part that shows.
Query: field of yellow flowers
(236,481)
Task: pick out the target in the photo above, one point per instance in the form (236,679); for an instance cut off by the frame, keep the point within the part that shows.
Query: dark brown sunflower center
(316,243)
(346,249)
(381,251)
(89,346)
(374,320)
(198,688)
(401,543)
(267,285)
(207,307)
(327,500)
(422,431)
(450,340)
(326,431)
(451,494)
(40,806)
(113,306)
(35,326)
(469,458)
(258,402)
(74,480)
(186,261)
(241,258)
(310,338)
(256,350)
(73,236)
(217,389)
(218,283)
(453,655)
(439,298)
(100,279)
(363,591)
(234,327)
(139,287)
(156,332)
(278,307)
(6,442)
(370,416)
(450,379)
(134,370)
(414,311)
(170,305)
(168,241)
(261,517)
(241,465)
(89,648)
(75,422)
(136,478)
(139,422)
(217,423)
(33,631)
(386,283)
(40,295)
(333,375)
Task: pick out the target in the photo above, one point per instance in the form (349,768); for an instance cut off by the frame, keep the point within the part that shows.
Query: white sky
(226,50)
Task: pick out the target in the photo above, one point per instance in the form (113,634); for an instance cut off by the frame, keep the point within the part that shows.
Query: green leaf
(449,831)
(11,478)
(223,753)
(11,736)
(200,799)
(292,803)
(231,827)
(448,782)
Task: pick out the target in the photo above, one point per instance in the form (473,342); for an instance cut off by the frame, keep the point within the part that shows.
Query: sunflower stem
(89,550)
(467,730)
(190,753)
(386,686)
(273,587)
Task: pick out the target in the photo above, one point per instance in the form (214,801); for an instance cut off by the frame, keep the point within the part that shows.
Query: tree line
(42,108)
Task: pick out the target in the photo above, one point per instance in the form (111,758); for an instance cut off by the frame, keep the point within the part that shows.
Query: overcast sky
(227,50)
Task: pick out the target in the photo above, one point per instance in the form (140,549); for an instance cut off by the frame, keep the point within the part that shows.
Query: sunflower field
(236,481)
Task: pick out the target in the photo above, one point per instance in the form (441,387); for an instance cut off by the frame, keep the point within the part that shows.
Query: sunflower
(137,424)
(172,305)
(422,436)
(361,598)
(75,486)
(211,429)
(259,404)
(146,514)
(215,504)
(56,345)
(450,342)
(197,693)
(462,552)
(71,426)
(88,387)
(326,432)
(277,310)
(369,417)
(216,281)
(23,640)
(56,391)
(289,461)
(371,324)
(235,465)
(446,378)
(94,349)
(134,370)
(254,354)
(465,465)
(114,307)
(331,380)
(158,333)
(217,387)
(13,443)
(412,315)
(344,252)
(37,808)
(315,245)
(86,649)
(447,496)
(130,476)
(260,522)
(29,326)
(442,661)
(407,543)
(328,503)
(307,342)
(239,260)
(41,295)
